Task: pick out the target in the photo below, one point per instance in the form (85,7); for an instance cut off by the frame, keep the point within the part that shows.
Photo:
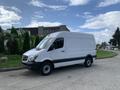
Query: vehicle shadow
(71,68)
(61,70)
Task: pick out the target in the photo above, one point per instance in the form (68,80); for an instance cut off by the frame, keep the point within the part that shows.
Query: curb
(11,69)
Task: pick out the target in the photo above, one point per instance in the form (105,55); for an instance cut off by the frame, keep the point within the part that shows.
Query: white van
(61,49)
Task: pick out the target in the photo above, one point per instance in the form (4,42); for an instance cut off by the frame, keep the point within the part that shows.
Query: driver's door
(57,49)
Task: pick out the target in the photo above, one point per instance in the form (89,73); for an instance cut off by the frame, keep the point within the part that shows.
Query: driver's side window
(58,43)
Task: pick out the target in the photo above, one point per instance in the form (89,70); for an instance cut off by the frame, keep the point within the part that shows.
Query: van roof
(66,33)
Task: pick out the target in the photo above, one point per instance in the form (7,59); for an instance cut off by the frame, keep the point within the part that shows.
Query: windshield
(44,43)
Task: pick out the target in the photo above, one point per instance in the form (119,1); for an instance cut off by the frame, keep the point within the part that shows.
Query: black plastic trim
(70,59)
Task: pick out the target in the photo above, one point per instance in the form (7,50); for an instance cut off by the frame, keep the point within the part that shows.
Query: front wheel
(46,68)
(88,62)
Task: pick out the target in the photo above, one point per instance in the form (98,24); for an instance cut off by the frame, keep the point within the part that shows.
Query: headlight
(32,58)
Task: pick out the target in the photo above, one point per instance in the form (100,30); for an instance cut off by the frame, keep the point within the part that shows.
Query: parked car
(61,49)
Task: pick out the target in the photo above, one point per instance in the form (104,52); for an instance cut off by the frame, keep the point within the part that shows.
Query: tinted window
(58,43)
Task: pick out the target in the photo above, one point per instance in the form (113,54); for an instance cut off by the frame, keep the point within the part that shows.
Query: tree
(103,45)
(37,40)
(2,48)
(41,38)
(7,35)
(98,46)
(26,42)
(12,46)
(113,42)
(1,30)
(20,44)
(32,41)
(16,48)
(9,45)
(116,37)
(14,32)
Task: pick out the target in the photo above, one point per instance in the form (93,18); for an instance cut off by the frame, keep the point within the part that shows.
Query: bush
(37,40)
(12,46)
(1,43)
(14,32)
(26,42)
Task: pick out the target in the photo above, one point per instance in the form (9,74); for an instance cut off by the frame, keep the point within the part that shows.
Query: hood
(33,52)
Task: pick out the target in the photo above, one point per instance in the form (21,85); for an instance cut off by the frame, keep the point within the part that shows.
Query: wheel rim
(46,69)
(88,62)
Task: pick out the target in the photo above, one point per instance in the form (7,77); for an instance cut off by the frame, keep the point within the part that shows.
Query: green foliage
(98,46)
(103,45)
(16,48)
(9,45)
(32,39)
(105,54)
(1,30)
(13,61)
(2,49)
(37,40)
(116,36)
(12,46)
(115,41)
(14,32)
(7,35)
(14,43)
(41,38)
(20,44)
(26,42)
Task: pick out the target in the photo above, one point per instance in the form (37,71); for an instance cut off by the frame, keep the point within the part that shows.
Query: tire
(46,68)
(88,62)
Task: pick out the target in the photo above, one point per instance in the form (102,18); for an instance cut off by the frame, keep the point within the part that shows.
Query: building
(42,31)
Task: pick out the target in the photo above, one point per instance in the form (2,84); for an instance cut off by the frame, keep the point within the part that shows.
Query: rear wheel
(88,61)
(46,68)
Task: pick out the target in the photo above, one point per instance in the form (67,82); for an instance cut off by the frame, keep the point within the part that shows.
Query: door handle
(62,51)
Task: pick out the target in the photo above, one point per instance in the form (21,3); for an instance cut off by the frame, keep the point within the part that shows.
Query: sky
(98,17)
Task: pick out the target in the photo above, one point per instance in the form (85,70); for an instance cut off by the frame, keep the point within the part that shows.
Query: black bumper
(32,65)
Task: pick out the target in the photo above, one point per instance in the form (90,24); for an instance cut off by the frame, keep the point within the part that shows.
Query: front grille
(24,58)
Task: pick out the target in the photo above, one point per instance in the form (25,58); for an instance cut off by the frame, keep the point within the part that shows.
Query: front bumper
(32,65)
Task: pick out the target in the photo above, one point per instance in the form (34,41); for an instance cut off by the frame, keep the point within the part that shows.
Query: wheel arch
(49,61)
(89,56)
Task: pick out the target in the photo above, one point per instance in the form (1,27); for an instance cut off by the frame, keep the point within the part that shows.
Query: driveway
(103,75)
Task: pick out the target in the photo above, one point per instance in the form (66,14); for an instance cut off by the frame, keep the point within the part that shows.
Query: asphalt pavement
(103,75)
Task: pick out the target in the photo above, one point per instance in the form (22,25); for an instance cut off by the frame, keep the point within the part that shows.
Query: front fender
(44,59)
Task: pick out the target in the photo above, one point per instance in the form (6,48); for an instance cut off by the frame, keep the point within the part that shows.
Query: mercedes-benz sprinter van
(61,49)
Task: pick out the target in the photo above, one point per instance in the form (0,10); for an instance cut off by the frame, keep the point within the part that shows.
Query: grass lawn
(105,54)
(13,61)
